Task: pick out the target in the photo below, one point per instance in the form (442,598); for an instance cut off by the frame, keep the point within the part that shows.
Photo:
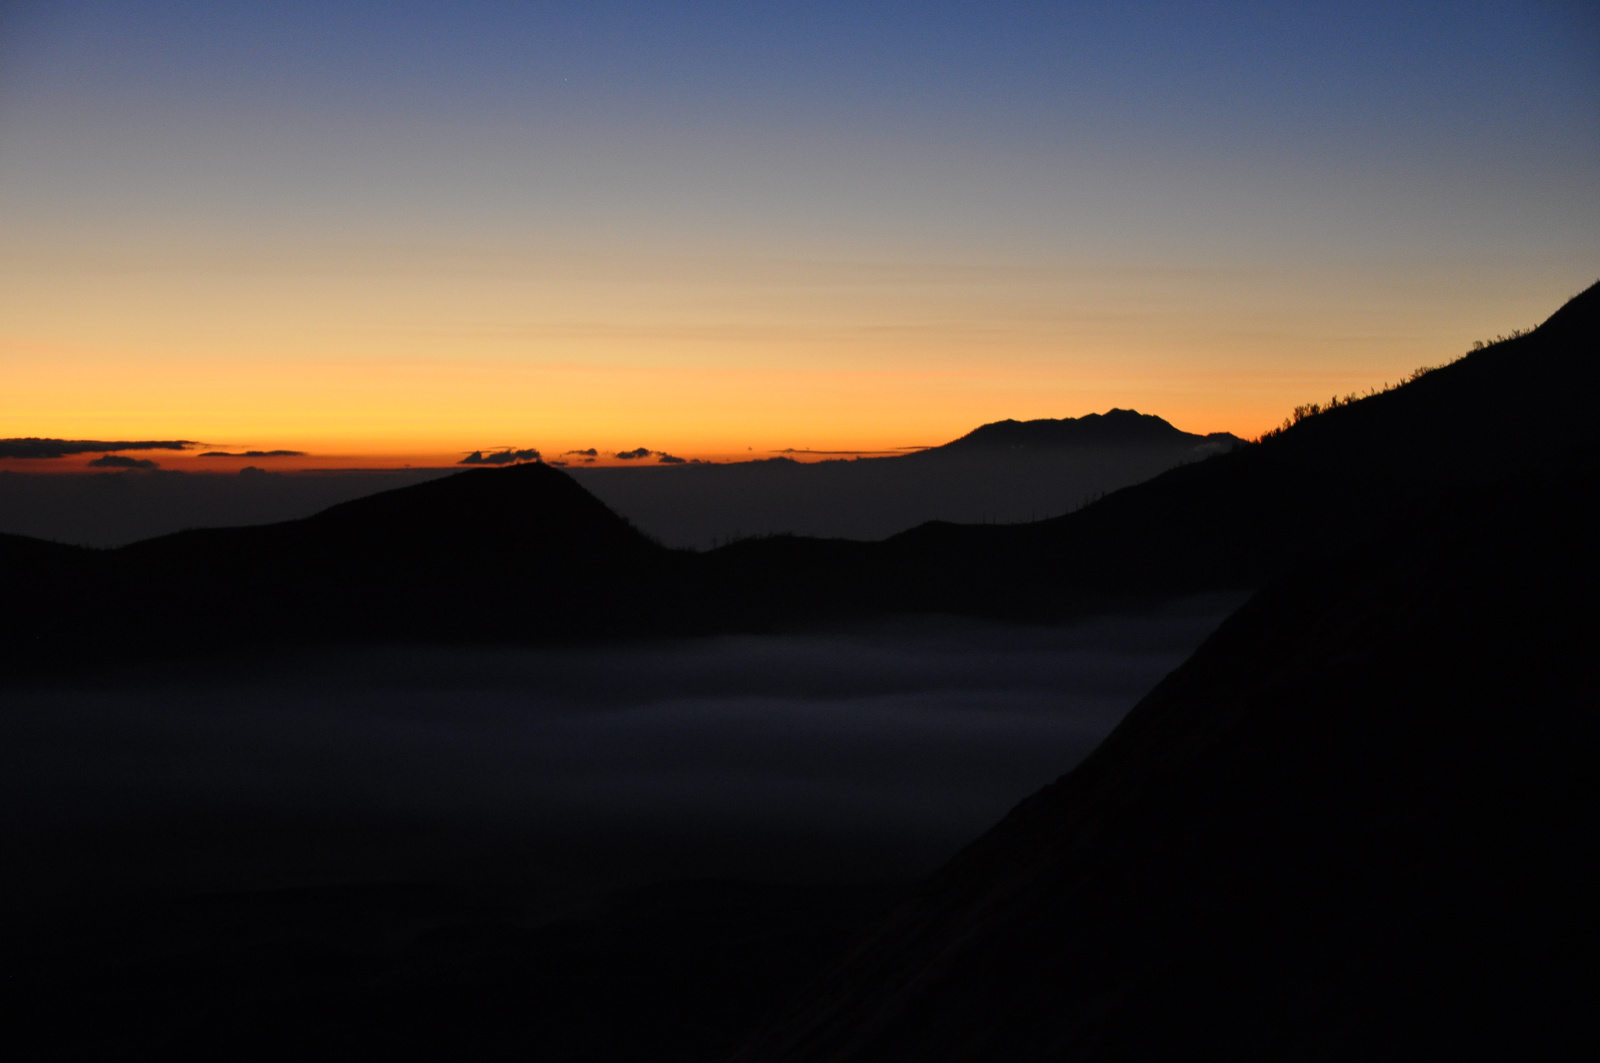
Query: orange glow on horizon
(708,362)
(417,412)
(397,244)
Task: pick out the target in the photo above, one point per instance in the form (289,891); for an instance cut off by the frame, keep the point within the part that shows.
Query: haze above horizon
(411,229)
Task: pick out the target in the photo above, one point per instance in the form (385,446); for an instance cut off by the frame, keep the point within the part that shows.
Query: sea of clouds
(871,752)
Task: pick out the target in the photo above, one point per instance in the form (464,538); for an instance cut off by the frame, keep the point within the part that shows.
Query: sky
(400,232)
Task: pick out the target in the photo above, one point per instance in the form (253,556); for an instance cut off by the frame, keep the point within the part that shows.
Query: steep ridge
(1239,519)
(1359,822)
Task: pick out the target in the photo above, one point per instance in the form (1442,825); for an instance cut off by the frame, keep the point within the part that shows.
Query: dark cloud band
(33,447)
(499,457)
(117,461)
(253,454)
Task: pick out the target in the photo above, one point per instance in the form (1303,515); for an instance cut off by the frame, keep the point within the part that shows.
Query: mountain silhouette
(525,553)
(691,505)
(1003,472)
(482,556)
(117,508)
(1240,519)
(1358,822)
(1112,428)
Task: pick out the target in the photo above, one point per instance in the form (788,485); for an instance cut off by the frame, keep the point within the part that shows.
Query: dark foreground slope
(675,973)
(1359,823)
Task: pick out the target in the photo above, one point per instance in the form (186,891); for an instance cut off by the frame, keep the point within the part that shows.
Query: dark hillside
(1242,518)
(46,589)
(490,555)
(111,509)
(1359,822)
(484,555)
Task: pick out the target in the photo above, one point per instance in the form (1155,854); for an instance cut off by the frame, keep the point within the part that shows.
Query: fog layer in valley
(869,753)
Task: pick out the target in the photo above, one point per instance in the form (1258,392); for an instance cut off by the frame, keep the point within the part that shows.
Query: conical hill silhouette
(487,555)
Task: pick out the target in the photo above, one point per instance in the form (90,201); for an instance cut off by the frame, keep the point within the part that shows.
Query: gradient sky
(411,230)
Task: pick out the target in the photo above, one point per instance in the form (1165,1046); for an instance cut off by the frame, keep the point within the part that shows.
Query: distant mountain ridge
(1115,427)
(1004,472)
(683,504)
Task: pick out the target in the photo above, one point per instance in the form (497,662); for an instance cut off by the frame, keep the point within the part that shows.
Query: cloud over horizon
(500,457)
(117,461)
(253,454)
(36,447)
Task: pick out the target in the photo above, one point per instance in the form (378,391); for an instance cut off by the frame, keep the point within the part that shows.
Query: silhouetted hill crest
(488,555)
(524,507)
(1115,427)
(515,512)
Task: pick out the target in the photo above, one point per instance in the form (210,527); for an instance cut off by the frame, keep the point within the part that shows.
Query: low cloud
(669,459)
(254,454)
(499,457)
(873,752)
(117,461)
(590,453)
(34,447)
(629,455)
